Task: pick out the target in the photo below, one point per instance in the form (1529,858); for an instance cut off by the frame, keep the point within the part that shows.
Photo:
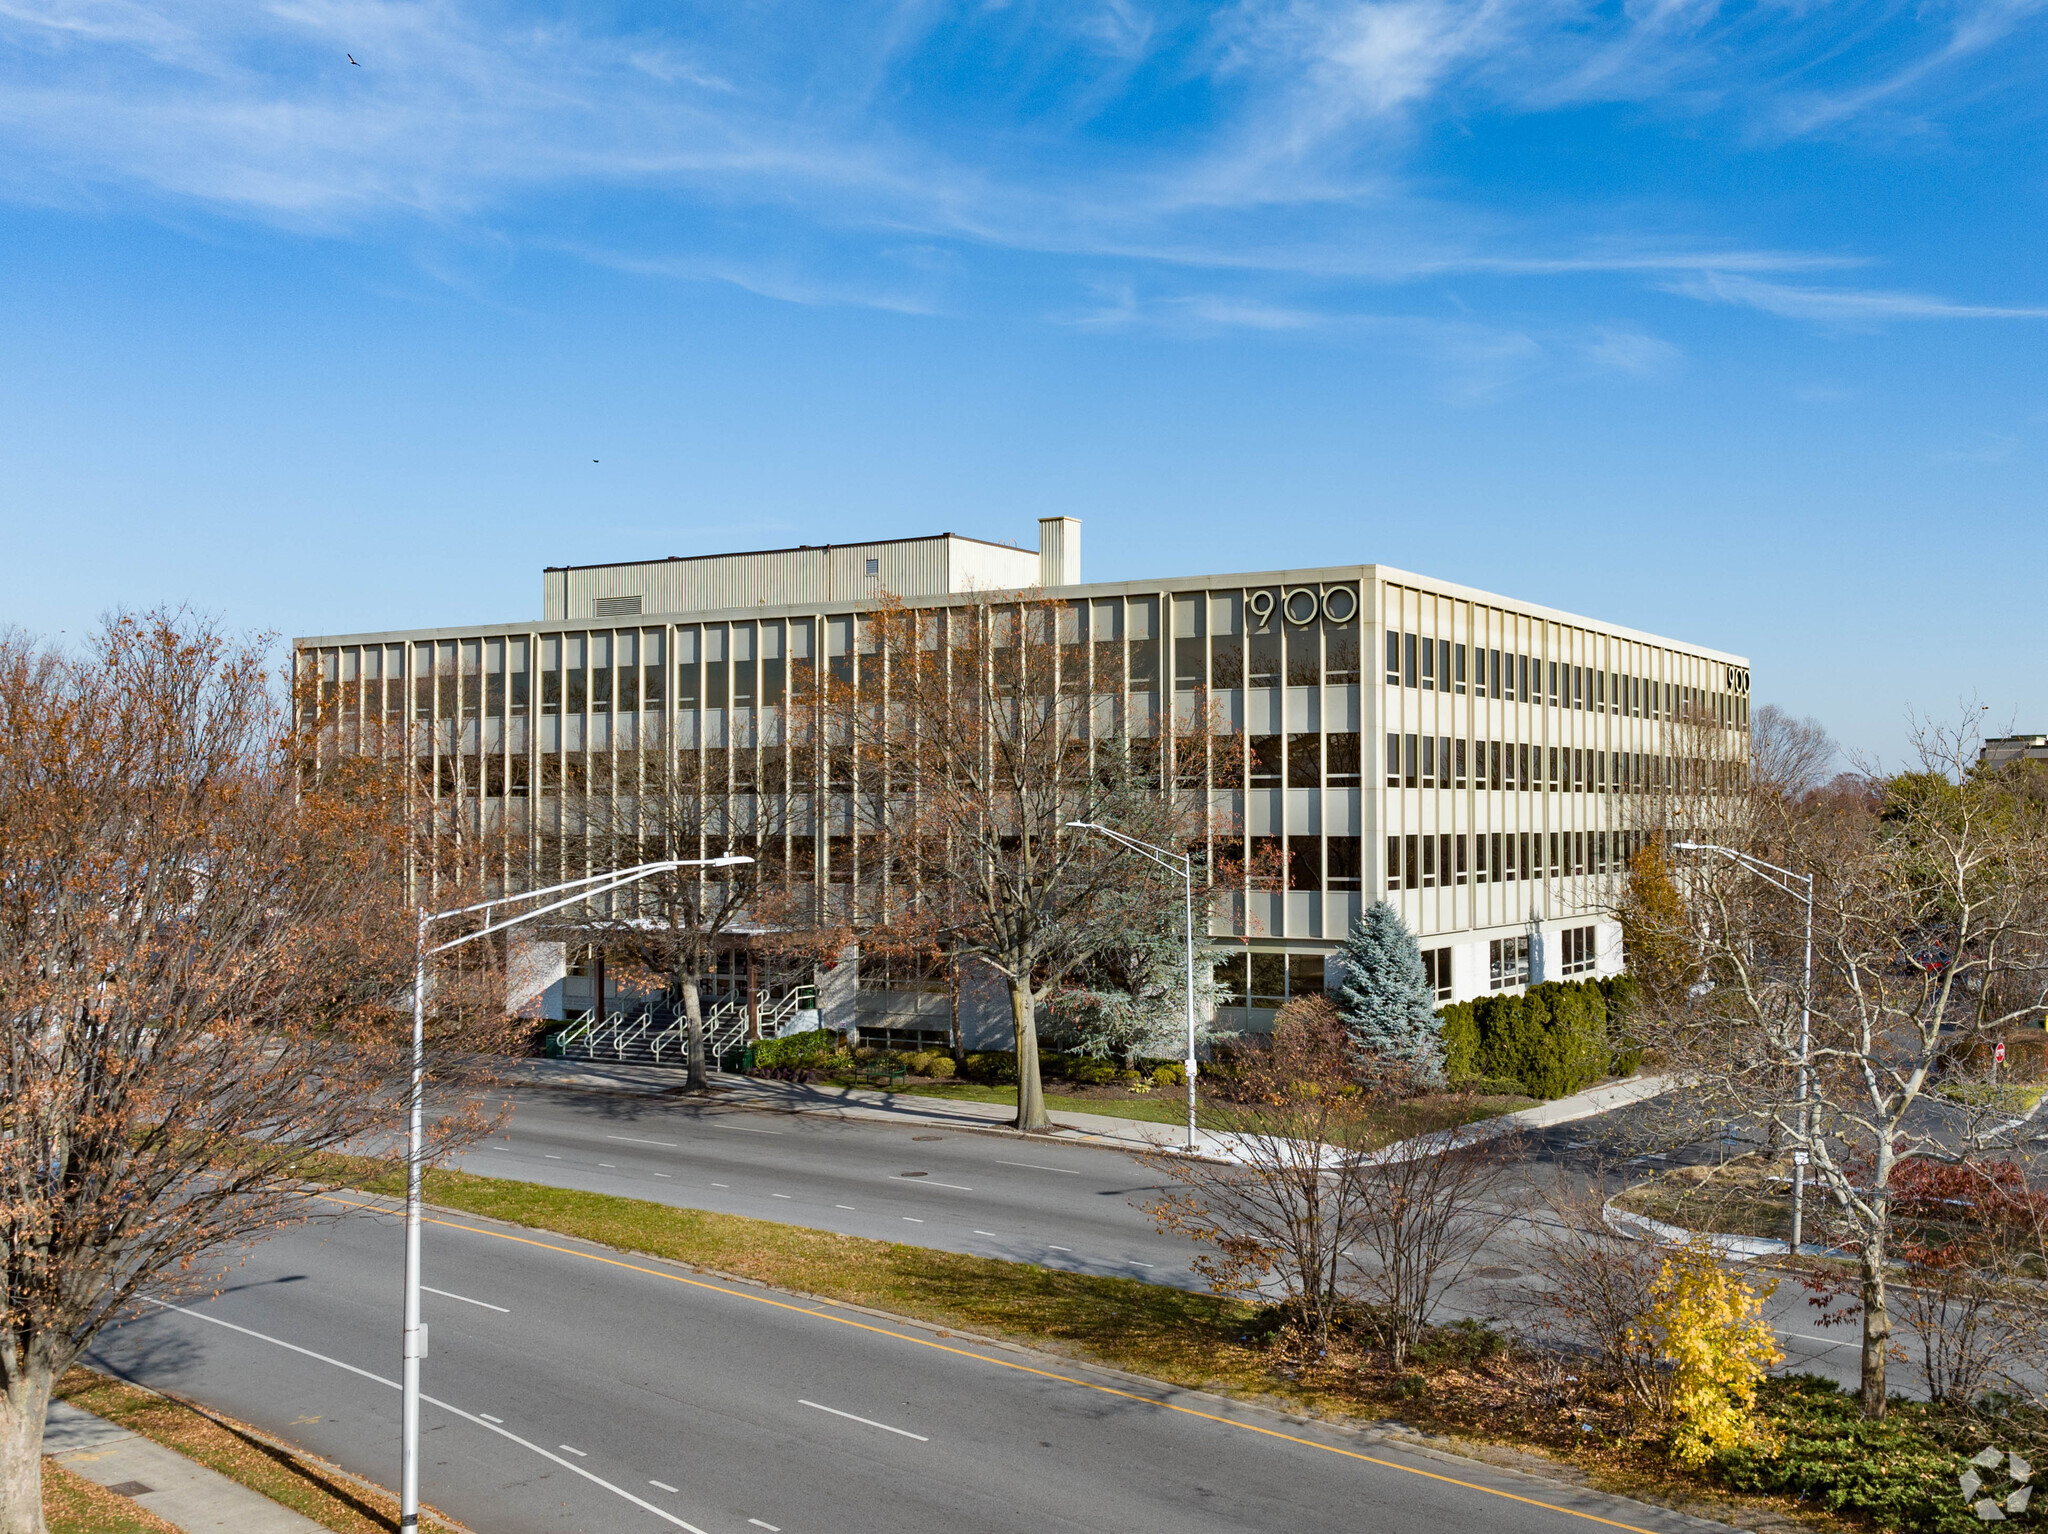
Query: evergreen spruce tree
(1385,997)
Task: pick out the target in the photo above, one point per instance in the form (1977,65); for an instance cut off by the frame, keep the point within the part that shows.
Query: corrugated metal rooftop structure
(832,572)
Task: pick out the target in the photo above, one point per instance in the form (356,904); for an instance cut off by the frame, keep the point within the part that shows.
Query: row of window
(1439,761)
(1267,979)
(1445,860)
(1439,665)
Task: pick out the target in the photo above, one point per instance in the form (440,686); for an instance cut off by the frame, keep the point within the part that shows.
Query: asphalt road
(1075,1207)
(570,1389)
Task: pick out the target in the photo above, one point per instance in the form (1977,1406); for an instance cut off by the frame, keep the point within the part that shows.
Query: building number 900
(1303,604)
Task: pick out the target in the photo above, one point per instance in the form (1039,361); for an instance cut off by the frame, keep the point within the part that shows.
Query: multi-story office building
(1479,761)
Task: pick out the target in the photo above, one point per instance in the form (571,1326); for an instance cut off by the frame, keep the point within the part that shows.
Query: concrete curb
(1137,1135)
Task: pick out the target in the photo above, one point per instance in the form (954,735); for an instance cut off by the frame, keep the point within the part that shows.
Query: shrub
(941,1068)
(809,1049)
(920,1064)
(1893,1471)
(992,1067)
(1092,1073)
(1170,1075)
(1710,1327)
(1461,1040)
(1551,1039)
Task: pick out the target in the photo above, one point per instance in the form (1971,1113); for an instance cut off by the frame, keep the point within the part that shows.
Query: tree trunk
(1877,1327)
(959,1040)
(1030,1091)
(22,1408)
(693,1013)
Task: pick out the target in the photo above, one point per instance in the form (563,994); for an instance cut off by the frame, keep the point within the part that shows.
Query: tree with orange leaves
(204,955)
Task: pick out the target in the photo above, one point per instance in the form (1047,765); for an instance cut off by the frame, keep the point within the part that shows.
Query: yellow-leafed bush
(1709,1326)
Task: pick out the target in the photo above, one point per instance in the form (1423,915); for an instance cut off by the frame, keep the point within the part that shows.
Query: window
(1577,951)
(1393,659)
(1493,764)
(1265,761)
(1461,859)
(1428,861)
(1393,761)
(1507,963)
(1408,752)
(1492,677)
(1436,964)
(1412,864)
(1458,673)
(1269,979)
(1429,761)
(1347,862)
(1304,974)
(1443,860)
(1190,664)
(1408,659)
(874,567)
(1341,759)
(1429,665)
(1304,761)
(1304,862)
(1461,763)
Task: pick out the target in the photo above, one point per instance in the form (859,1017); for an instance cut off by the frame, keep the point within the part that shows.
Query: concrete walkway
(1088,1128)
(176,1489)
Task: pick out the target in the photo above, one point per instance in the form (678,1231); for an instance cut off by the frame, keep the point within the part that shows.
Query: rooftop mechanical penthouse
(1478,760)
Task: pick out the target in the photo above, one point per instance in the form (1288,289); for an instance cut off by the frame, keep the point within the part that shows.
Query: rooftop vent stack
(1059,551)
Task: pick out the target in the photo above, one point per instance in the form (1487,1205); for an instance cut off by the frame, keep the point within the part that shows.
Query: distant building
(1473,758)
(2014,748)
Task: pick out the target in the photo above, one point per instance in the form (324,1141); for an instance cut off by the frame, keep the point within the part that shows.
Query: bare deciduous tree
(1931,944)
(1423,1216)
(1286,1213)
(204,954)
(962,743)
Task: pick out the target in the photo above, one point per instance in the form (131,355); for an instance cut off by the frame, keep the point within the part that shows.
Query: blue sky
(1728,321)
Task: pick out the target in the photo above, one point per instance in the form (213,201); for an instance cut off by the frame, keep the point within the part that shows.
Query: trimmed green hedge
(1555,1039)
(809,1048)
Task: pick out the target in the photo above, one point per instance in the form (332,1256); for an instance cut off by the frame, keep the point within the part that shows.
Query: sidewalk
(176,1489)
(1083,1128)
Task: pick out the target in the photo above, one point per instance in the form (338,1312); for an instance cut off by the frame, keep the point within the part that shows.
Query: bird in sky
(353,60)
(593,460)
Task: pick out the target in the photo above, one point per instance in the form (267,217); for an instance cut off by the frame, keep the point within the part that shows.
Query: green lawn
(1397,1120)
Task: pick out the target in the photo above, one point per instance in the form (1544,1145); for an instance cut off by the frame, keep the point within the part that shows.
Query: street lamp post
(1783,878)
(412,1345)
(1185,862)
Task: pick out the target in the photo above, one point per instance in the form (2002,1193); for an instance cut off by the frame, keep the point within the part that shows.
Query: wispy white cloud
(1272,139)
(1619,349)
(1842,306)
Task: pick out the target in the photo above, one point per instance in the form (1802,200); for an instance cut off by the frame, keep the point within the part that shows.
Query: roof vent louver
(615,607)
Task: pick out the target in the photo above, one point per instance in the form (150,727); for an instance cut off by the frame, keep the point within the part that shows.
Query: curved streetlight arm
(618,880)
(1754,864)
(1184,864)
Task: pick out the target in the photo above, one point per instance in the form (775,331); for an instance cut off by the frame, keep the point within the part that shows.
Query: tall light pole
(413,1340)
(1784,878)
(1185,862)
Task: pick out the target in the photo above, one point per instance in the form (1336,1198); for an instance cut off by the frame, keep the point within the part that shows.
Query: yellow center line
(1003,1363)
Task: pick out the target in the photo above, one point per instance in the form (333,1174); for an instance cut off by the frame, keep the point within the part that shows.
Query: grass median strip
(74,1505)
(1148,1328)
(322,1492)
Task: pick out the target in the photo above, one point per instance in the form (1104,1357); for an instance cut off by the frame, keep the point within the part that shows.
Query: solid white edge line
(448,1294)
(664,1485)
(489,1427)
(630,1140)
(489,1418)
(1064,1171)
(869,1421)
(747,1129)
(579,1453)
